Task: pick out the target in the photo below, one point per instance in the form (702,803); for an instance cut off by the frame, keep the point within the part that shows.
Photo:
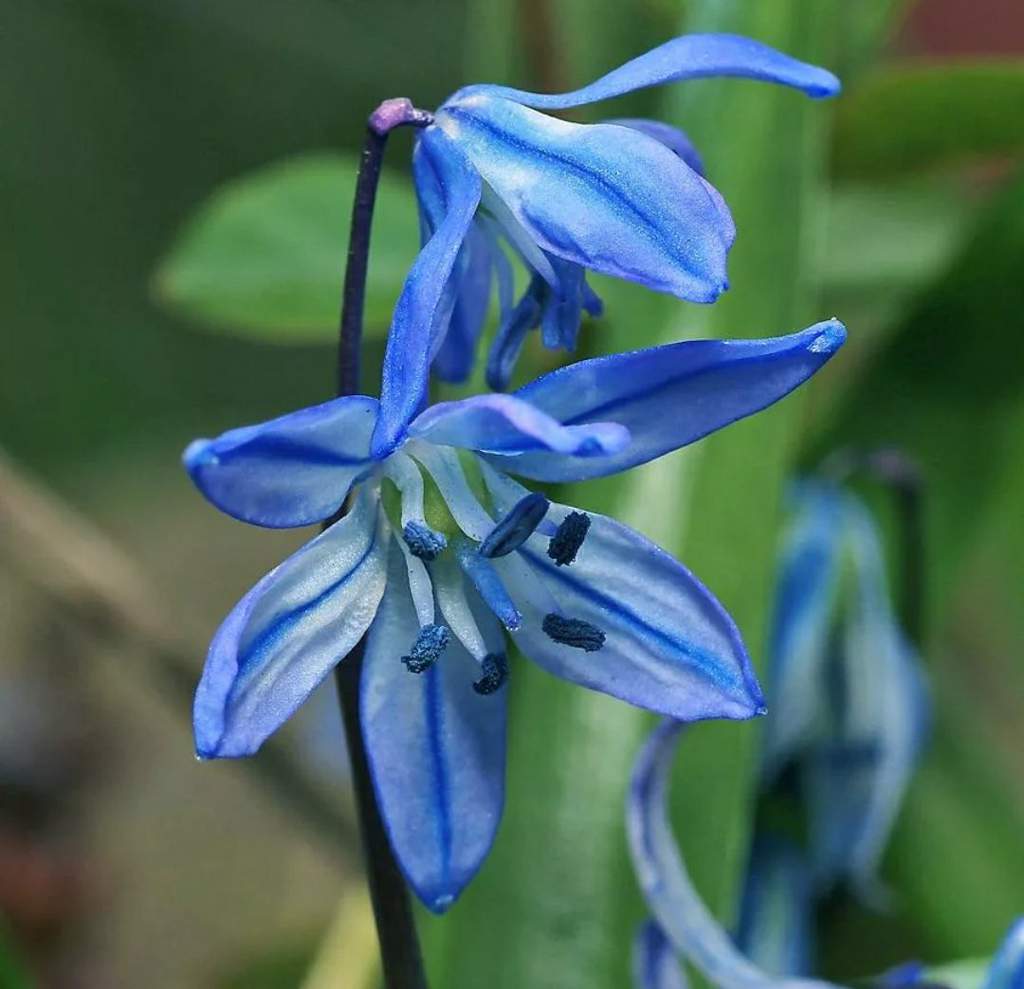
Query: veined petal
(669,646)
(291,471)
(420,306)
(692,56)
(1007,968)
(672,137)
(775,929)
(881,711)
(508,425)
(670,396)
(436,750)
(808,582)
(603,196)
(289,632)
(457,349)
(655,965)
(666,886)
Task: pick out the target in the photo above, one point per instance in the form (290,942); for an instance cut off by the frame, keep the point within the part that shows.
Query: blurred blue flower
(625,198)
(777,910)
(442,549)
(684,925)
(848,695)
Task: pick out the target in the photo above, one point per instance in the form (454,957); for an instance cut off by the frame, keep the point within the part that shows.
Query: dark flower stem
(401,958)
(902,477)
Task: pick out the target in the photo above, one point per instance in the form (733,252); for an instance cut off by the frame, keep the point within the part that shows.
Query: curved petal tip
(830,339)
(440,903)
(199,453)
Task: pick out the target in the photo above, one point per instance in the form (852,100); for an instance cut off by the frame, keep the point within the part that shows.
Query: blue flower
(848,695)
(442,553)
(688,928)
(625,198)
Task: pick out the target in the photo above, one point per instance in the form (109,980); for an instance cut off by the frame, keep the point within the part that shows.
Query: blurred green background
(898,207)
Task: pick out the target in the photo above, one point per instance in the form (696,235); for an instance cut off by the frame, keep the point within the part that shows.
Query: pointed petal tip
(824,86)
(440,904)
(199,453)
(830,339)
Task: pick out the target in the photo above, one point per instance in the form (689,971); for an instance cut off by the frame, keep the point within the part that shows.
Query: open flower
(847,690)
(684,926)
(442,551)
(625,198)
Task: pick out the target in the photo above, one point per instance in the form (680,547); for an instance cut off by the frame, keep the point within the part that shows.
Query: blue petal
(775,929)
(670,396)
(669,645)
(288,633)
(291,471)
(421,310)
(1007,968)
(692,56)
(508,341)
(506,424)
(655,965)
(666,886)
(878,711)
(672,137)
(903,976)
(436,750)
(457,352)
(606,197)
(808,581)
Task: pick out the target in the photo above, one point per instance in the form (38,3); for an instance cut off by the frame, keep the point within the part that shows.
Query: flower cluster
(439,555)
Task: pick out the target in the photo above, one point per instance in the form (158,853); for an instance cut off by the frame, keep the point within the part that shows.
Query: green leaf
(264,256)
(923,115)
(892,237)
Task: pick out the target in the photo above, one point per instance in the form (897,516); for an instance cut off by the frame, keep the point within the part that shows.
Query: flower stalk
(401,958)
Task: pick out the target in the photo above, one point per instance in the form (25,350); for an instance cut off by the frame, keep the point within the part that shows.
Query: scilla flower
(624,198)
(442,553)
(848,694)
(685,927)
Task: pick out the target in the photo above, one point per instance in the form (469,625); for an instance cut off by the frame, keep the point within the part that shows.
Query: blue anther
(494,673)
(516,527)
(427,649)
(423,541)
(573,632)
(568,538)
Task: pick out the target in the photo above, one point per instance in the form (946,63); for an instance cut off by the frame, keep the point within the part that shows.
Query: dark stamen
(568,538)
(494,674)
(573,632)
(430,644)
(423,541)
(516,527)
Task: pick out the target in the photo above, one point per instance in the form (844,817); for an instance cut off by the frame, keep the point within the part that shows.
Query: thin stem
(396,929)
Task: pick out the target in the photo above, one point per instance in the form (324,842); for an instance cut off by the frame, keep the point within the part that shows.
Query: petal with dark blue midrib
(288,633)
(692,56)
(436,750)
(669,396)
(291,471)
(422,305)
(606,197)
(669,646)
